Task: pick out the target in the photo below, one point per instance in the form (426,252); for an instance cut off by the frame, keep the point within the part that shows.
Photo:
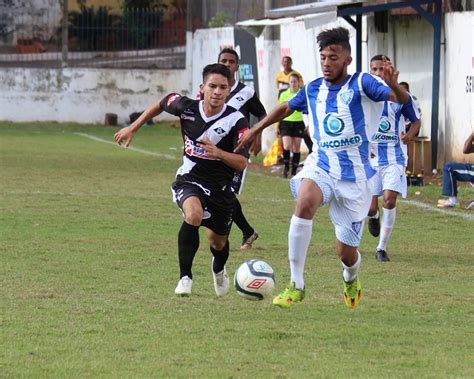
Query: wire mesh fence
(129,38)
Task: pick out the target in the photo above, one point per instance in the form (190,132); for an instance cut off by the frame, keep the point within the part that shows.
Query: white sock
(388,221)
(453,200)
(299,237)
(350,273)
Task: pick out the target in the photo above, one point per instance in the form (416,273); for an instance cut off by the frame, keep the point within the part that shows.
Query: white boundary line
(433,208)
(428,207)
(94,138)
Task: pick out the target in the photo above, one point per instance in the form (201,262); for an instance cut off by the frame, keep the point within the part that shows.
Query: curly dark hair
(336,36)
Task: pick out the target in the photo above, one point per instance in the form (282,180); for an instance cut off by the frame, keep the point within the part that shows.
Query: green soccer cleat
(289,296)
(352,293)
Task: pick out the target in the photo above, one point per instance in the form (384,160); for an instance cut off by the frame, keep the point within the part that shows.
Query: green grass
(89,265)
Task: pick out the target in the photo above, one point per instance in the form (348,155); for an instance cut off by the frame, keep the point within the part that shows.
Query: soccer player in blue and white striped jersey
(389,146)
(340,107)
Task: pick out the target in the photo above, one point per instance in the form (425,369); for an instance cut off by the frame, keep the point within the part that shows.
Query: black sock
(286,159)
(241,221)
(220,257)
(295,162)
(309,143)
(188,244)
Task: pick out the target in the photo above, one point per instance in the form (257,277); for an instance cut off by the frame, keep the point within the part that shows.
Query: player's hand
(246,138)
(256,145)
(212,151)
(406,138)
(390,75)
(124,134)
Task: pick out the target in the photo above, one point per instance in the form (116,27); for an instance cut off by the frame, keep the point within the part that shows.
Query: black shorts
(292,128)
(218,204)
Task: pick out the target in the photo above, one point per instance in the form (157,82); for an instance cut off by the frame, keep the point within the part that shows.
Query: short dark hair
(379,57)
(288,57)
(216,68)
(405,84)
(336,36)
(295,74)
(228,50)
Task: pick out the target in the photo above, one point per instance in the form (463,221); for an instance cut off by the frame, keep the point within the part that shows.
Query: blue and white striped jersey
(386,139)
(339,119)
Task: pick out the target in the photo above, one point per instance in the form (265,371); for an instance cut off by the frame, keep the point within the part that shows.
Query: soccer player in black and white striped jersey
(244,99)
(203,185)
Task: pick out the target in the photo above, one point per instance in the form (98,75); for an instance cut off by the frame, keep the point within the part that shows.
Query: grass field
(89,266)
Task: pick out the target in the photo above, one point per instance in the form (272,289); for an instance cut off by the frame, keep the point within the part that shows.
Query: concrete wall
(459,84)
(84,95)
(40,21)
(207,43)
(409,44)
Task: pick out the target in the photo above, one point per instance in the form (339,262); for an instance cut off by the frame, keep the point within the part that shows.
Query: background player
(292,129)
(389,146)
(244,99)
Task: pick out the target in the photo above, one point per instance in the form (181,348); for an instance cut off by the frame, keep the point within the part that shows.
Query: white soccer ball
(254,279)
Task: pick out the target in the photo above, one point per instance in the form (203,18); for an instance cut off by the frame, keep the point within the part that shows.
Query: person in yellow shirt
(291,129)
(283,77)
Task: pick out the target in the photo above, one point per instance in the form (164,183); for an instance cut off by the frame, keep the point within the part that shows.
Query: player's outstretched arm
(125,135)
(278,113)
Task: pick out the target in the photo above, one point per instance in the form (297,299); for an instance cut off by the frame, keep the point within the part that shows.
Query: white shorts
(391,177)
(349,202)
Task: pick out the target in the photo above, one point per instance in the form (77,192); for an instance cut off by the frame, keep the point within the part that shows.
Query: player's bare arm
(126,134)
(414,129)
(236,161)
(256,145)
(278,113)
(390,76)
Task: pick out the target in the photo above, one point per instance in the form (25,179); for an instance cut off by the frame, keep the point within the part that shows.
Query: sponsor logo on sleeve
(171,99)
(242,132)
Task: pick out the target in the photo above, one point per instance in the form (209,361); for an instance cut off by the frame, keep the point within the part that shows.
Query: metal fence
(93,37)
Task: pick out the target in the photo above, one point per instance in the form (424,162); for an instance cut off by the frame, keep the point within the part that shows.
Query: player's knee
(193,217)
(390,202)
(217,242)
(306,208)
(217,245)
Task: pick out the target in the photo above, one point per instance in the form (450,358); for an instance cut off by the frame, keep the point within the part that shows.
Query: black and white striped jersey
(244,99)
(223,129)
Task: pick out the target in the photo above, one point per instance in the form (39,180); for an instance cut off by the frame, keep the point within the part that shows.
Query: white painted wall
(84,95)
(207,43)
(459,84)
(268,62)
(301,45)
(409,44)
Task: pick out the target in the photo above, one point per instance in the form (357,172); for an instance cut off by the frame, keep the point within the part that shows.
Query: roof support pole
(357,25)
(435,21)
